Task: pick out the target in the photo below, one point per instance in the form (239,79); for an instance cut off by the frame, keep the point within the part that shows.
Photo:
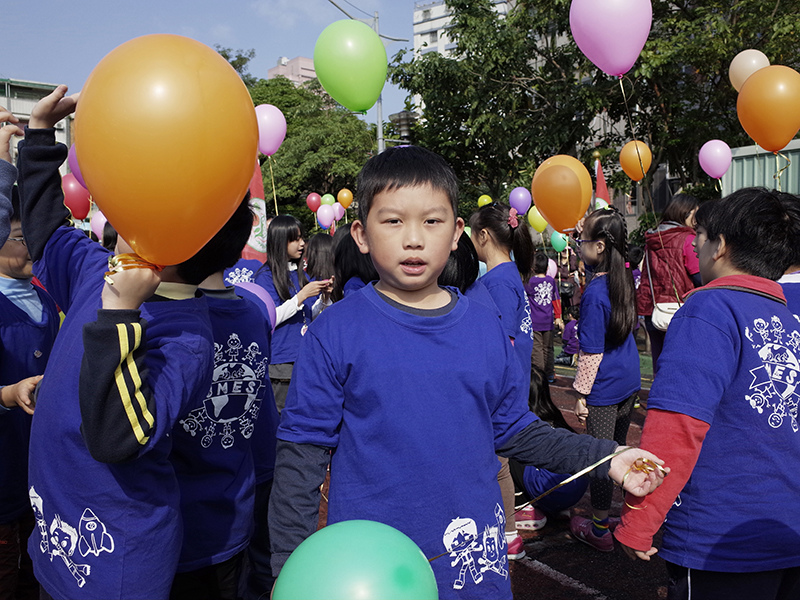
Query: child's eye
(433,221)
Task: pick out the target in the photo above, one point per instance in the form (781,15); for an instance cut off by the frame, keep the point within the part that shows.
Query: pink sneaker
(516,548)
(530,518)
(581,529)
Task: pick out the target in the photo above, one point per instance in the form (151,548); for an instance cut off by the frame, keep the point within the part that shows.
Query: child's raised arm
(8,173)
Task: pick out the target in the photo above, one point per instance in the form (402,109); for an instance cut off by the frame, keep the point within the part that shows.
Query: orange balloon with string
(345,197)
(562,190)
(161,174)
(769,106)
(630,156)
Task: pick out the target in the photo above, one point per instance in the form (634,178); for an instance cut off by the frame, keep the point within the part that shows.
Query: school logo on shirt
(232,405)
(239,275)
(543,293)
(60,539)
(775,381)
(464,543)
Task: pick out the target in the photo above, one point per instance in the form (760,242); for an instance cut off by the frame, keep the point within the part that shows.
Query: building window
(434,37)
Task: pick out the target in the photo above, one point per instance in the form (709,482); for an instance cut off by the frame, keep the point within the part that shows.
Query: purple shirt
(541,292)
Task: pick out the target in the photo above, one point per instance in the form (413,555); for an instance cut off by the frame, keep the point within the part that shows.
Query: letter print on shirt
(232,404)
(462,541)
(61,539)
(775,381)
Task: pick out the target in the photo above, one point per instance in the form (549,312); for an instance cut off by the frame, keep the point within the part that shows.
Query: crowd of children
(176,446)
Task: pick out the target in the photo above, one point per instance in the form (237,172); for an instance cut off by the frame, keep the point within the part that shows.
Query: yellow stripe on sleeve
(126,356)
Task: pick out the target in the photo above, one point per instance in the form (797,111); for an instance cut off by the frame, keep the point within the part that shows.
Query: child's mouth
(413,266)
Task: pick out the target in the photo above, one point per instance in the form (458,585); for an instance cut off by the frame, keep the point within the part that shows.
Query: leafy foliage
(239,60)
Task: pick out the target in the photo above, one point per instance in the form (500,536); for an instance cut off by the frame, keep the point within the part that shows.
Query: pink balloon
(552,268)
(611,33)
(72,161)
(325,216)
(271,128)
(313,201)
(338,211)
(262,295)
(97,223)
(715,158)
(520,198)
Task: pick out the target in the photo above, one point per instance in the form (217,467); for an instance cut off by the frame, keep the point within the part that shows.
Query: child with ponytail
(608,376)
(497,230)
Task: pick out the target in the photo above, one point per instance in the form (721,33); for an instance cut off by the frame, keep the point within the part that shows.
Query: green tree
(239,60)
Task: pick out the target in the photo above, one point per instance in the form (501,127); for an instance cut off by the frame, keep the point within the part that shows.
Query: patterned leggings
(608,423)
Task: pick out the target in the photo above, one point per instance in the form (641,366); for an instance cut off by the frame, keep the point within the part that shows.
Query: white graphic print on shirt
(543,293)
(461,540)
(775,381)
(232,403)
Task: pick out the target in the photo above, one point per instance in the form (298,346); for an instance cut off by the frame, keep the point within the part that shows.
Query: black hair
(573,312)
(541,402)
(635,255)
(282,230)
(608,225)
(349,262)
(761,228)
(540,262)
(704,212)
(404,166)
(223,250)
(679,208)
(109,236)
(513,236)
(318,255)
(461,269)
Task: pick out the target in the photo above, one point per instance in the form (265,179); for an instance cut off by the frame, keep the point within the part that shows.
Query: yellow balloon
(629,158)
(484,200)
(161,174)
(536,220)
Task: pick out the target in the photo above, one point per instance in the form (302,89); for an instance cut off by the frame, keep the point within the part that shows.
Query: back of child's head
(349,262)
(635,255)
(571,313)
(761,229)
(540,263)
(110,236)
(223,250)
(400,167)
(609,226)
(508,230)
(679,208)
(541,402)
(319,256)
(462,267)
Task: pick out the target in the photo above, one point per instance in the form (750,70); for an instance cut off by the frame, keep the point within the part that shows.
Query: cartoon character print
(233,402)
(239,275)
(543,293)
(775,382)
(462,541)
(62,539)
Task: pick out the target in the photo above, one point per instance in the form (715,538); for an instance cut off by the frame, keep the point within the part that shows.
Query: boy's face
(409,234)
(705,250)
(15,262)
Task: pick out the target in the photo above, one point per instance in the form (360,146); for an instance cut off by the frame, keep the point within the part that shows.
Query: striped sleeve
(117,408)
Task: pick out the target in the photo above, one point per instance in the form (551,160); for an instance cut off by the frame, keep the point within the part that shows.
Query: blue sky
(54,41)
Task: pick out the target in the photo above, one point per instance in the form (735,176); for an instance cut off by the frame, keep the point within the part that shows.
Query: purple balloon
(262,295)
(338,211)
(325,215)
(715,158)
(271,128)
(72,161)
(611,33)
(520,198)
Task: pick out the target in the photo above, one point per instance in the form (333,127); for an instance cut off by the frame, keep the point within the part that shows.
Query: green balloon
(351,64)
(558,241)
(356,559)
(328,199)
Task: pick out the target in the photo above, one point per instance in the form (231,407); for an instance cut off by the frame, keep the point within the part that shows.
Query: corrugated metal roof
(754,166)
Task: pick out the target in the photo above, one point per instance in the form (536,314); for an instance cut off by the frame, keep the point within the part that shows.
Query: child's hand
(130,288)
(634,554)
(581,410)
(21,394)
(52,108)
(6,132)
(313,289)
(637,471)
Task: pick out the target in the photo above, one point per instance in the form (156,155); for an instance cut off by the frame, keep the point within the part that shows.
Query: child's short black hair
(704,211)
(540,262)
(404,166)
(573,312)
(761,229)
(223,250)
(635,255)
(349,262)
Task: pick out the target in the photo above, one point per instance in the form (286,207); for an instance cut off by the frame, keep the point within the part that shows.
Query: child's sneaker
(516,548)
(581,529)
(530,518)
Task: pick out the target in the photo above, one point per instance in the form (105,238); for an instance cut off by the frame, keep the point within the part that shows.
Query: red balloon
(76,197)
(313,200)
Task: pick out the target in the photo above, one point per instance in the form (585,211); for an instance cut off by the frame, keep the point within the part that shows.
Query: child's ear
(601,246)
(457,233)
(358,232)
(722,248)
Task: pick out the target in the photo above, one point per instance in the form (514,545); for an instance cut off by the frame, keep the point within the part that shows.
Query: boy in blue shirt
(723,411)
(415,390)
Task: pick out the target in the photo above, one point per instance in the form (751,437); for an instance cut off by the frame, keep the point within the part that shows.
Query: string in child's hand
(123,262)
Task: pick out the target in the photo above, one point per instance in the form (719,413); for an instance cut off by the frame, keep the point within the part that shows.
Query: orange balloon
(769,106)
(562,200)
(163,177)
(629,158)
(345,197)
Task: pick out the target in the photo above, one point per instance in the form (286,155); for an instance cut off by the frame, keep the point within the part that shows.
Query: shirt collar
(746,283)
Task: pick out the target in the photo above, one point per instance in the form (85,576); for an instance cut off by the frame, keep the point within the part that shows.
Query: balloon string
(779,171)
(272,178)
